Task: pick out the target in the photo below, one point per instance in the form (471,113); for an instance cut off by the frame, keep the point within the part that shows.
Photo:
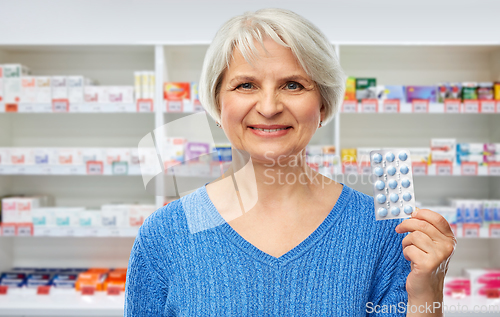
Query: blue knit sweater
(187,261)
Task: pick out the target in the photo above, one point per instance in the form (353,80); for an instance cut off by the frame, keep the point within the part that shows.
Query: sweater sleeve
(145,293)
(389,296)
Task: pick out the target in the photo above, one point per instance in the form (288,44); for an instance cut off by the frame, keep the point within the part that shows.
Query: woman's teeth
(269,130)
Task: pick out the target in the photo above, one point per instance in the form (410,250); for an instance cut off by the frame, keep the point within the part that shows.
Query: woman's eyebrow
(287,78)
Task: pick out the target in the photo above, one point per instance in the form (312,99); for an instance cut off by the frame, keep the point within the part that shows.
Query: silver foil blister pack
(392,176)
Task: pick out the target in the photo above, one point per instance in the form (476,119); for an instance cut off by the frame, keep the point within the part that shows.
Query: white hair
(312,49)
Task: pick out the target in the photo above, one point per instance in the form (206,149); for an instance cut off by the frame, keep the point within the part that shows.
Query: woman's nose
(269,104)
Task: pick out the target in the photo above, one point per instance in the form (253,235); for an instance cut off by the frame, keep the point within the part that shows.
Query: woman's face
(272,93)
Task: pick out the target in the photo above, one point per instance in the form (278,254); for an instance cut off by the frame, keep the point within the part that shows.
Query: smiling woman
(257,243)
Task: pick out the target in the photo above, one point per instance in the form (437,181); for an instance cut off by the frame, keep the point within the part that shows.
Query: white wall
(187,21)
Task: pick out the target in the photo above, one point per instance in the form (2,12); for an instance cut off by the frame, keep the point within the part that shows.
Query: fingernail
(414,214)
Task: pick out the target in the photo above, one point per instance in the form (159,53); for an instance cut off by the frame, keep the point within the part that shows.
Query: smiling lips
(270,130)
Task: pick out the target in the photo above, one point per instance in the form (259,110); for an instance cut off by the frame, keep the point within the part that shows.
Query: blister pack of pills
(393,190)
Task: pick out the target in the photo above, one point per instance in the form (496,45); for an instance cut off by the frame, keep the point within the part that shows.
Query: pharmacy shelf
(25,302)
(132,170)
(75,108)
(377,106)
(200,170)
(444,169)
(101,232)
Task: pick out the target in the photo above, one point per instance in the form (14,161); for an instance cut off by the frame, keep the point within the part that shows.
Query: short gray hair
(313,50)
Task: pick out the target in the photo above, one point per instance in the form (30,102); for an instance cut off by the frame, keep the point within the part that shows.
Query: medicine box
(394,92)
(68,217)
(350,89)
(195,98)
(484,282)
(12,90)
(18,209)
(366,88)
(443,144)
(117,155)
(178,97)
(59,87)
(121,94)
(28,90)
(421,92)
(420,155)
(45,156)
(115,215)
(91,154)
(43,89)
(76,88)
(21,156)
(90,218)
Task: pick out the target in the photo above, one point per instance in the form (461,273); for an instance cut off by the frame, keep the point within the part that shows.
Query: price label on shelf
(88,290)
(452,105)
(498,106)
(391,105)
(24,230)
(73,170)
(469,168)
(60,105)
(350,106)
(114,232)
(350,169)
(145,105)
(43,290)
(95,168)
(114,290)
(197,107)
(26,108)
(21,170)
(471,230)
(420,105)
(95,107)
(8,230)
(444,169)
(120,168)
(366,168)
(471,106)
(3,289)
(91,232)
(121,108)
(495,230)
(419,168)
(175,106)
(369,105)
(68,232)
(494,169)
(488,106)
(11,107)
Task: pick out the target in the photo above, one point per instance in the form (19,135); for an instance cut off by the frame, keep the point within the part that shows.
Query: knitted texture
(347,266)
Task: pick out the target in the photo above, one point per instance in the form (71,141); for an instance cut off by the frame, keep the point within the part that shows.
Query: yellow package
(348,155)
(497,91)
(350,89)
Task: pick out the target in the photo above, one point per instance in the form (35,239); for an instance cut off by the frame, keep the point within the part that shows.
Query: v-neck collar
(239,241)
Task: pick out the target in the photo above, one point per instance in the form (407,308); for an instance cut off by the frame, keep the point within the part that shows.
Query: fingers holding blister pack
(393,190)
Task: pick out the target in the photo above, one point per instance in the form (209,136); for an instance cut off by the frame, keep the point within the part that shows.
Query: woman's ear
(322,112)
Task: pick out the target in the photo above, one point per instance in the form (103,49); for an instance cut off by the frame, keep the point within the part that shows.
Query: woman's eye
(293,86)
(245,86)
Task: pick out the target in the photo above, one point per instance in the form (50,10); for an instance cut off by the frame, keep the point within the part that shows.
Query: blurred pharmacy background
(83,82)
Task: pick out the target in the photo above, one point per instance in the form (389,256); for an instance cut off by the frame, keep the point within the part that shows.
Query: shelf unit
(390,64)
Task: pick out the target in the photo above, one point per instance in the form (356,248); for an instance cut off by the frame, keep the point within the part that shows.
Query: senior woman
(272,237)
